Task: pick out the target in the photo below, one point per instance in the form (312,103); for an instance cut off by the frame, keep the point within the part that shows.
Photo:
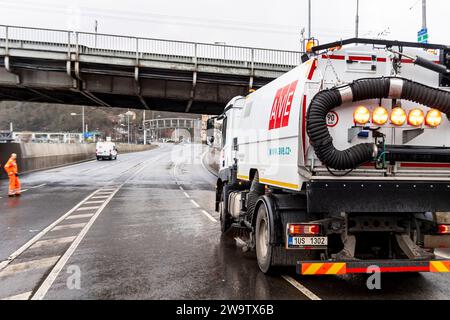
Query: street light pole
(83,123)
(424,14)
(357,19)
(128,123)
(309,19)
(145,130)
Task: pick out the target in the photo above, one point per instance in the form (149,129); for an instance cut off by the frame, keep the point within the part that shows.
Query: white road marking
(79,216)
(47,283)
(19,251)
(23,190)
(186,195)
(100,197)
(52,242)
(300,287)
(210,217)
(69,226)
(203,165)
(94,202)
(41,185)
(101,190)
(195,203)
(87,208)
(28,265)
(21,296)
(181,188)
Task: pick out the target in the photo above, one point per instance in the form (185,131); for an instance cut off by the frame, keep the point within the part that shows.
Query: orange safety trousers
(14,185)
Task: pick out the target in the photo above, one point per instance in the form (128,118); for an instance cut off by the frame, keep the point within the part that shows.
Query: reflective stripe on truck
(353,267)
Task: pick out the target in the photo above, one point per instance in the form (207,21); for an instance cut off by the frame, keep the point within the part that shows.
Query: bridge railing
(144,48)
(166,123)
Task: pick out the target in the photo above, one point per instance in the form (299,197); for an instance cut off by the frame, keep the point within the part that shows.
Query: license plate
(307,242)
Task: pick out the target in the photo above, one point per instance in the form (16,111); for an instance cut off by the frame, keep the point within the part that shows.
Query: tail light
(433,118)
(443,229)
(398,116)
(304,229)
(380,116)
(361,115)
(416,117)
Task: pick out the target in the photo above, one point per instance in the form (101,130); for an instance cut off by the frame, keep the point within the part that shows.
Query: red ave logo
(281,108)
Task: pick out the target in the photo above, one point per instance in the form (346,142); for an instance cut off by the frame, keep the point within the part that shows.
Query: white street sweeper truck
(344,162)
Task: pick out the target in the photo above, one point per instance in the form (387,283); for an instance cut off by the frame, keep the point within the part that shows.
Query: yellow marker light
(311,44)
(361,115)
(416,117)
(398,116)
(380,116)
(433,118)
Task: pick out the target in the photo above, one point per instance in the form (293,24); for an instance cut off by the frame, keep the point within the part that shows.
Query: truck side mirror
(210,131)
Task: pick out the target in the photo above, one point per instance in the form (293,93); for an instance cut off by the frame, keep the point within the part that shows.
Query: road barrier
(39,156)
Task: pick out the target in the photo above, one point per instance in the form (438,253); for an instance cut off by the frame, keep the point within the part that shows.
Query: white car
(106,150)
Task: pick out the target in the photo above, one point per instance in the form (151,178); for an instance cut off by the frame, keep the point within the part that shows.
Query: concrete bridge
(58,66)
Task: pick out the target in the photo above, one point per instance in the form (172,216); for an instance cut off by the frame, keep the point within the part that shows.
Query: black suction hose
(363,89)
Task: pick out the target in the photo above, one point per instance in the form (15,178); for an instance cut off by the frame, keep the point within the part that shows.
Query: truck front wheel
(264,249)
(225,219)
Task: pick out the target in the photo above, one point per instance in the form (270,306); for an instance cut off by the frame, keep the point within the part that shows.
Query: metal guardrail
(74,42)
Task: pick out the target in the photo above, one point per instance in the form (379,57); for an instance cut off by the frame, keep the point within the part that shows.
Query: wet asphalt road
(147,230)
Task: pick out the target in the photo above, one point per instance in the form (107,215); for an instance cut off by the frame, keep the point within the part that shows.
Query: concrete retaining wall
(39,156)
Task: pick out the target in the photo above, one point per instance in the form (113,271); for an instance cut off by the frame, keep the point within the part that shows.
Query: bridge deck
(44,65)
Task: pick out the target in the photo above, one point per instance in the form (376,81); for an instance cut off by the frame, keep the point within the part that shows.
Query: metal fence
(144,48)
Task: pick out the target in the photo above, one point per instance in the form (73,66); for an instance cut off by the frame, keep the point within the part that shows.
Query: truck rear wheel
(264,249)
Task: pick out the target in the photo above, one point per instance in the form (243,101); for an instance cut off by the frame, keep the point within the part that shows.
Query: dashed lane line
(301,287)
(308,293)
(210,217)
(195,203)
(206,213)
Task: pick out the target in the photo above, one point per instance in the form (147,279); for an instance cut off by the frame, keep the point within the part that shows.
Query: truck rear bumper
(383,266)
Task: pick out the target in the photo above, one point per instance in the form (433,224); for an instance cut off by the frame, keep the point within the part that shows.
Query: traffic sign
(422,35)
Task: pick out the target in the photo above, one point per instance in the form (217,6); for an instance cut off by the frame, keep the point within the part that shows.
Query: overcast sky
(260,23)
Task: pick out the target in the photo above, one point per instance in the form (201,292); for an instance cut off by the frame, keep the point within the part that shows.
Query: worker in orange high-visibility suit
(12,171)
